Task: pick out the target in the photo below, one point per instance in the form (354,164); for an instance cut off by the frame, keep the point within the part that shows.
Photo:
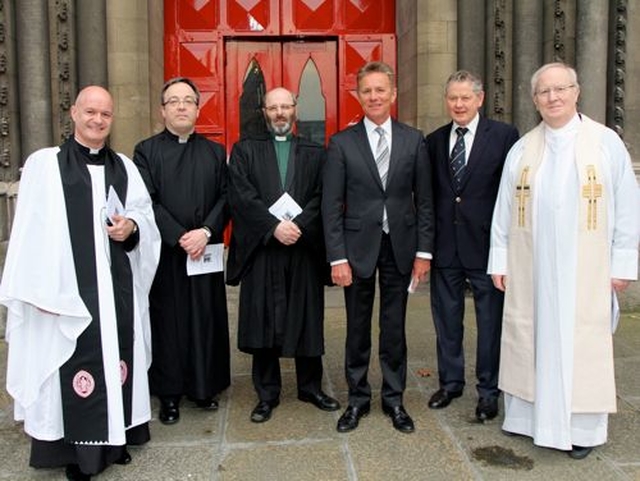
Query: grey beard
(281,129)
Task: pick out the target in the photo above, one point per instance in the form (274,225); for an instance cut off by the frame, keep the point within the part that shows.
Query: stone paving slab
(300,442)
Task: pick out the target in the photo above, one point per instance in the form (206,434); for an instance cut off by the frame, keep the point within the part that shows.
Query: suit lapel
(479,144)
(362,142)
(396,149)
(444,152)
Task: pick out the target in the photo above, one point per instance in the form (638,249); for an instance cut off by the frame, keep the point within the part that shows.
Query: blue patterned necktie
(457,160)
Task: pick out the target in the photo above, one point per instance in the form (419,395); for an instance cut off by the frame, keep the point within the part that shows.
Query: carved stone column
(10,160)
(618,67)
(32,36)
(527,58)
(472,36)
(63,60)
(591,52)
(91,22)
(499,59)
(559,31)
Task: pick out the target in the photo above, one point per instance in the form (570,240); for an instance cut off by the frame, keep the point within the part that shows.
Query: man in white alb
(564,241)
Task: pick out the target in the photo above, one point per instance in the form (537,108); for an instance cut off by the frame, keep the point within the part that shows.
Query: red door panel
(282,65)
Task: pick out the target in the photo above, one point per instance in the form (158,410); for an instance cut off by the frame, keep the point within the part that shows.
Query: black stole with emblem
(84,394)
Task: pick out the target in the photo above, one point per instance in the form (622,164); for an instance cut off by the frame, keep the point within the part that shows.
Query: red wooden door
(307,68)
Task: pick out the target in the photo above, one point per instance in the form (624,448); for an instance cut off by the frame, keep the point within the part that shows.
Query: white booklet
(285,208)
(209,262)
(615,312)
(114,204)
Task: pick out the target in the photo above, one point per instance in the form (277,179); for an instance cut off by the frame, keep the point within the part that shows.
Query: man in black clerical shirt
(277,255)
(186,175)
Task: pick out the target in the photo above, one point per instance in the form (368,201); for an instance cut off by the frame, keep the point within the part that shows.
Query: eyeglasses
(559,90)
(284,107)
(175,101)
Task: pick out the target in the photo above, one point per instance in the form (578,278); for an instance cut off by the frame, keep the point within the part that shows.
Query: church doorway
(306,68)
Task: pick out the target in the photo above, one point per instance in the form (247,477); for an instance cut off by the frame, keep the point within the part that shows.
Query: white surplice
(45,312)
(549,419)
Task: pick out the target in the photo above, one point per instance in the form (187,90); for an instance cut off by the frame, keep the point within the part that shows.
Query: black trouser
(268,381)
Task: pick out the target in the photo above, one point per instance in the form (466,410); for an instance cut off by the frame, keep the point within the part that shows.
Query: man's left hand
(122,227)
(194,242)
(421,268)
(619,285)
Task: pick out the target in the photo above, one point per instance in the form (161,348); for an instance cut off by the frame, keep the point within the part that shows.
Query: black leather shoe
(351,417)
(487,408)
(124,459)
(320,400)
(73,473)
(208,404)
(442,398)
(401,420)
(169,411)
(579,452)
(262,411)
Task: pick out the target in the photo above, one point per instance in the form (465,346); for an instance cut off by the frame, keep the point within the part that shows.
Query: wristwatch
(207,231)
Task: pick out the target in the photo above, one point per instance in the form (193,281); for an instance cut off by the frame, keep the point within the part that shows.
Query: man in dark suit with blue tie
(378,216)
(467,156)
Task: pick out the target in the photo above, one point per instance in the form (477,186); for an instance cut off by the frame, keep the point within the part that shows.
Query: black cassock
(282,287)
(190,329)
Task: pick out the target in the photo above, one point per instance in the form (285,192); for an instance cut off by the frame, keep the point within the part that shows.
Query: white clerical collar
(92,150)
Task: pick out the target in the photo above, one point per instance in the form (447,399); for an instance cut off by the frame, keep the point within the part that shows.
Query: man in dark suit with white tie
(378,216)
(467,156)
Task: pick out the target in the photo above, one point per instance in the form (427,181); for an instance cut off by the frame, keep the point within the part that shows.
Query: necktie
(382,161)
(457,160)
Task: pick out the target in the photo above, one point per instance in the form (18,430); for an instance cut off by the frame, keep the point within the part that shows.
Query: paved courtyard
(300,442)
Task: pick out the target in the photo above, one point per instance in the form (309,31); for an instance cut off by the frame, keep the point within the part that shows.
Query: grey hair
(535,78)
(465,76)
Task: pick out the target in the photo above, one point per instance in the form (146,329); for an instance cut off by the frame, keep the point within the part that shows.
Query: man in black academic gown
(278,257)
(186,175)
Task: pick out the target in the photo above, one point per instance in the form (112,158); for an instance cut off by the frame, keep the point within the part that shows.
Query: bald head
(280,110)
(92,115)
(279,93)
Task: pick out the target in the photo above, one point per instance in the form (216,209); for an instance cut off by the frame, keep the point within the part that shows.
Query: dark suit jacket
(463,219)
(353,199)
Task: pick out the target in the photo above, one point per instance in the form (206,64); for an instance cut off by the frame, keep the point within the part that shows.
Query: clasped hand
(194,243)
(287,232)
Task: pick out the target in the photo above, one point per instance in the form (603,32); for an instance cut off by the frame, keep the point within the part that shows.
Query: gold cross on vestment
(523,191)
(591,191)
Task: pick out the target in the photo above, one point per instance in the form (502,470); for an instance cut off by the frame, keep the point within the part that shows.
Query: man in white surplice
(564,241)
(82,255)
